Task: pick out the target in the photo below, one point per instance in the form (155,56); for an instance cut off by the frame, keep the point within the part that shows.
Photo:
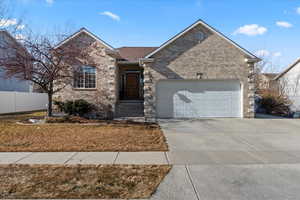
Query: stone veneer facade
(104,96)
(198,51)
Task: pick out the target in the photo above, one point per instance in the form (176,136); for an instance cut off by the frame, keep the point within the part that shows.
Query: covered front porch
(130,82)
(130,89)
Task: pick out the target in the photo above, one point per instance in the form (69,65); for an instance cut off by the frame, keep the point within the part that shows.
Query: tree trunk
(49,111)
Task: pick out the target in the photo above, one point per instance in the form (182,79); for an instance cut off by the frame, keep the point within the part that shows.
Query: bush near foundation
(78,107)
(275,103)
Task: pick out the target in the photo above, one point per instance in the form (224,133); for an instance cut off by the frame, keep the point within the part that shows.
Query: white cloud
(21,26)
(7,22)
(111,15)
(266,53)
(262,53)
(20,37)
(251,30)
(50,2)
(298,10)
(284,24)
(4,23)
(277,54)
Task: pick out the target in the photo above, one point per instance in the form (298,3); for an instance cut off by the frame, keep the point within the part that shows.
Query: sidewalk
(145,158)
(177,185)
(240,157)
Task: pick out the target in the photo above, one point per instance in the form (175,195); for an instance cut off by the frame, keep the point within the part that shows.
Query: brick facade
(105,95)
(199,51)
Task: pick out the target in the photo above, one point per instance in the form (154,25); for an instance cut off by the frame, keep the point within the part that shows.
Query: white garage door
(196,99)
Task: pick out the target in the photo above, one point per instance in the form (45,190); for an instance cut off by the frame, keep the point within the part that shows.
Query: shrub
(59,105)
(81,107)
(275,103)
(78,107)
(68,107)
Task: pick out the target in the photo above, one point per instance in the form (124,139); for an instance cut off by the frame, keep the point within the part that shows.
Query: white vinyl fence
(11,102)
(295,103)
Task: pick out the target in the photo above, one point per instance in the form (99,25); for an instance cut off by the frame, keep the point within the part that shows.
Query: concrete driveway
(234,159)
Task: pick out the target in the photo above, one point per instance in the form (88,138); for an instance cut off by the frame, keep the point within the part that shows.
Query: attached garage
(198,99)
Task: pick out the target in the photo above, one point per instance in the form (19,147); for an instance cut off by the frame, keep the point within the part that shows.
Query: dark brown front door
(132,86)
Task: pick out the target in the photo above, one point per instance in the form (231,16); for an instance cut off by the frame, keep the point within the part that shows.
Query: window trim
(84,88)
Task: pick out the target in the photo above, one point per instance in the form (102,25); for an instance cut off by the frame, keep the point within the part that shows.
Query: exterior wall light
(199,75)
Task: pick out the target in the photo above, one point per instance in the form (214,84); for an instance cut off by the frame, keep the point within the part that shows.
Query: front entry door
(132,86)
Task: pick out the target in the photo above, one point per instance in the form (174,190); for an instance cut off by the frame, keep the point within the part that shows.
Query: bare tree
(266,65)
(258,70)
(37,59)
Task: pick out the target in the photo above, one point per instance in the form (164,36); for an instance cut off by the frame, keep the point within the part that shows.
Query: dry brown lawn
(106,136)
(80,181)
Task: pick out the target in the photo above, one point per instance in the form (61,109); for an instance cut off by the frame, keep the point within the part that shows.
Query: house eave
(252,60)
(125,62)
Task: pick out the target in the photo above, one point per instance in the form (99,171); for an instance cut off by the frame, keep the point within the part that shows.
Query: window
(85,77)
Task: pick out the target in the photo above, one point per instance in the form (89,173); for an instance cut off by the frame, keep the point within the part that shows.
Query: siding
(290,82)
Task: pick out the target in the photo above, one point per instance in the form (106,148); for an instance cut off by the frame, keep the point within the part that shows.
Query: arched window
(85,77)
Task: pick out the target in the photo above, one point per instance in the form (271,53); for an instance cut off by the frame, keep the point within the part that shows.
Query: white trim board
(211,29)
(83,30)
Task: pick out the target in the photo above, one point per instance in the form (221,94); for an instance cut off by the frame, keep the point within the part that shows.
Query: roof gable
(83,30)
(7,36)
(287,69)
(200,22)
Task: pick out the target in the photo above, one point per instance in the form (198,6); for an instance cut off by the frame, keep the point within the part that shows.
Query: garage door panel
(194,99)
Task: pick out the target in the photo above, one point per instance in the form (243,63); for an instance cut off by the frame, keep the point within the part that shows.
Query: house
(11,84)
(197,73)
(289,81)
(267,81)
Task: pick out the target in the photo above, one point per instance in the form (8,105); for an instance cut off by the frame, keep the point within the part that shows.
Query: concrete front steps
(130,109)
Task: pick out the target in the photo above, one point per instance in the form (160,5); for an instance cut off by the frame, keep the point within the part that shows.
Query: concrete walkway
(145,158)
(232,159)
(231,182)
(155,158)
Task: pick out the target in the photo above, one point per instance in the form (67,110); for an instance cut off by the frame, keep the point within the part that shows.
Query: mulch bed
(80,181)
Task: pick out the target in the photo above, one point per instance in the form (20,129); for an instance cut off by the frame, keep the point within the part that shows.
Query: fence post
(15,101)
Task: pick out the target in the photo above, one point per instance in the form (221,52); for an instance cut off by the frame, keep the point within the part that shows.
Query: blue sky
(269,27)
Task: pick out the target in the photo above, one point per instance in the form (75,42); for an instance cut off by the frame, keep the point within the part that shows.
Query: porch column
(112,92)
(149,90)
(251,89)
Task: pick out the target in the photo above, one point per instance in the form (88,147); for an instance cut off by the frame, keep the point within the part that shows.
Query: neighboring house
(11,84)
(267,81)
(197,73)
(289,80)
